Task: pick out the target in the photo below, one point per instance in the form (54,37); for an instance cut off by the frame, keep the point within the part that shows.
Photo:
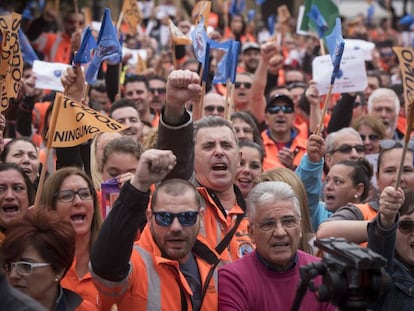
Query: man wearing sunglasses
(243,91)
(214,104)
(284,147)
(391,234)
(167,267)
(157,88)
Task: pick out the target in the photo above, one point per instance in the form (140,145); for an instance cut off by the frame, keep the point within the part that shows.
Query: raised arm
(112,249)
(175,130)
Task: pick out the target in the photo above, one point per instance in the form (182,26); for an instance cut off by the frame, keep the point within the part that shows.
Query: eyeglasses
(406,226)
(66,196)
(159,90)
(247,85)
(23,267)
(345,148)
(391,144)
(371,137)
(288,222)
(212,108)
(276,109)
(357,104)
(165,219)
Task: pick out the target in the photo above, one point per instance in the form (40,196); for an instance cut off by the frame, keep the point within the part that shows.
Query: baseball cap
(279,98)
(249,46)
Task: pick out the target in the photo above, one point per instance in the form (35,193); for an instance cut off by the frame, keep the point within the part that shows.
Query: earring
(356,196)
(56,279)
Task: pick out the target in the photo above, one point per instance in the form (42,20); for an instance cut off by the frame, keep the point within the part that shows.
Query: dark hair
(6,150)
(176,187)
(52,186)
(130,78)
(252,144)
(121,103)
(362,172)
(124,144)
(51,236)
(99,86)
(29,185)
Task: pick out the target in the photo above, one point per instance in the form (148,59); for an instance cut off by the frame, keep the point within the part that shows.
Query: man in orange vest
(168,267)
(59,47)
(212,153)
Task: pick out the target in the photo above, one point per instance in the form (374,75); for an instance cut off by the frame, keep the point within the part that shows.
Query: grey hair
(331,139)
(270,191)
(214,121)
(383,92)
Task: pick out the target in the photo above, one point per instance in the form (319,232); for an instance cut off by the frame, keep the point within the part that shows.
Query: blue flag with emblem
(223,65)
(83,56)
(108,47)
(234,60)
(319,21)
(200,39)
(336,45)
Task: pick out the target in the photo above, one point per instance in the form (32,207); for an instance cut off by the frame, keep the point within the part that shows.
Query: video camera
(352,277)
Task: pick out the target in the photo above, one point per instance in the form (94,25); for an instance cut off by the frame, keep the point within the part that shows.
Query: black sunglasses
(371,137)
(165,219)
(212,108)
(276,109)
(159,90)
(391,144)
(247,85)
(406,226)
(345,148)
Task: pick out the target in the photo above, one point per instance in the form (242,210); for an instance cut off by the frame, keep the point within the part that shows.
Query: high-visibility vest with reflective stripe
(56,47)
(215,226)
(153,283)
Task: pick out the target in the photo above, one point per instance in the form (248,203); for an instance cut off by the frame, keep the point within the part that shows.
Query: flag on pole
(83,56)
(318,20)
(11,65)
(336,45)
(201,9)
(132,15)
(200,39)
(79,123)
(177,36)
(223,65)
(329,10)
(406,60)
(108,47)
(234,60)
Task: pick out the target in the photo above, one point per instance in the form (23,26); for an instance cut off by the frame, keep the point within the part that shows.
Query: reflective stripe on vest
(154,283)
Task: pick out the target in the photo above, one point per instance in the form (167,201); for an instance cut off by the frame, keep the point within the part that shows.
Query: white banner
(354,76)
(48,75)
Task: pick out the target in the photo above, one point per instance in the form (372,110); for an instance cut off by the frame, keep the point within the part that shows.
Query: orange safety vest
(217,225)
(367,210)
(56,47)
(84,287)
(154,282)
(271,160)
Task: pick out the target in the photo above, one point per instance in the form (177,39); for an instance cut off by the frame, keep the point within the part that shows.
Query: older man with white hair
(384,104)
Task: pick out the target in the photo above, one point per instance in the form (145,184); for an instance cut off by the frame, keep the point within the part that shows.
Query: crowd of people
(217,194)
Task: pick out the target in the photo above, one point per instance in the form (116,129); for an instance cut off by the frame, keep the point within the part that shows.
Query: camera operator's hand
(390,203)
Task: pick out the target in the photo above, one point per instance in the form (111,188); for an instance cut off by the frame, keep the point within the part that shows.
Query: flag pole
(227,106)
(324,110)
(51,132)
(322,45)
(409,128)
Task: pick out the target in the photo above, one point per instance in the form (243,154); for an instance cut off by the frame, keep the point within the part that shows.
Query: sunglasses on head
(159,90)
(391,144)
(276,109)
(406,226)
(165,219)
(345,148)
(246,85)
(212,108)
(371,137)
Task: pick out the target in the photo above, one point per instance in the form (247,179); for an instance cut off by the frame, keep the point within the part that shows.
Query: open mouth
(78,218)
(10,209)
(219,167)
(244,181)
